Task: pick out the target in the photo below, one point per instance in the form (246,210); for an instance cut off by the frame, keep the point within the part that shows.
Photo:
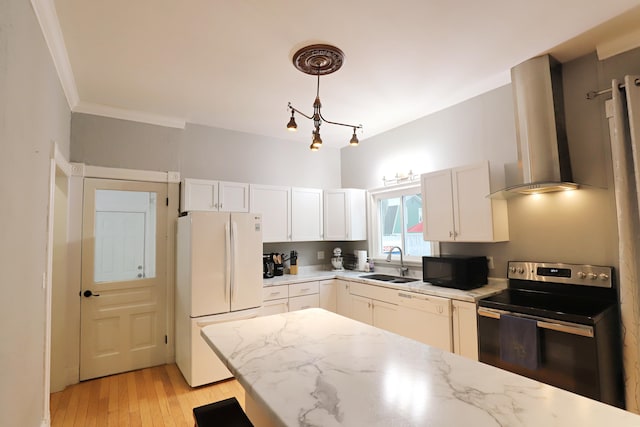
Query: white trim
(132,115)
(58,161)
(618,45)
(48,19)
(130,174)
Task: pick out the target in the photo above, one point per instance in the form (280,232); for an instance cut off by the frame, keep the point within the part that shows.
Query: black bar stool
(225,413)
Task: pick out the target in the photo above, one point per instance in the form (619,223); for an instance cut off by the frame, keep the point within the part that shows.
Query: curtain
(623,112)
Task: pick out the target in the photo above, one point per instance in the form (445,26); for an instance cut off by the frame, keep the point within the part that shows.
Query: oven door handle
(554,325)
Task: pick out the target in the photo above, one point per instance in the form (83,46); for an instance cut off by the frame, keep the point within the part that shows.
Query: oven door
(568,352)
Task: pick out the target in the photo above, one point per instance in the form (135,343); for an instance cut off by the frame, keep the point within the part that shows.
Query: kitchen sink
(389,279)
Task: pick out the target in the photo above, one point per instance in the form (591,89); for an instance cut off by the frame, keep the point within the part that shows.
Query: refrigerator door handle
(234,249)
(227,261)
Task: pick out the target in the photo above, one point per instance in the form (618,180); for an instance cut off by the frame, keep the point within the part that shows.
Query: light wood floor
(157,396)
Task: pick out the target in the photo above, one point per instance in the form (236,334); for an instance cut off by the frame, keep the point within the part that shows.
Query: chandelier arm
(340,124)
(300,112)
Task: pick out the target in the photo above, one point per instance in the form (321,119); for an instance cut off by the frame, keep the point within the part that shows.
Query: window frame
(374,222)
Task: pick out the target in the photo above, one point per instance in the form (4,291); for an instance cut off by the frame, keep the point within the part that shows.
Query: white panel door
(329,295)
(210,263)
(123,307)
(473,220)
(246,254)
(361,309)
(274,204)
(233,197)
(336,215)
(437,208)
(306,214)
(199,195)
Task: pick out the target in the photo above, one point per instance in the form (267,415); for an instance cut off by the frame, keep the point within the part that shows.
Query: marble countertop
(493,287)
(316,368)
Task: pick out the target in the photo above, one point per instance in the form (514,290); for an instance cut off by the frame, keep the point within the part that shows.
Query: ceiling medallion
(318,60)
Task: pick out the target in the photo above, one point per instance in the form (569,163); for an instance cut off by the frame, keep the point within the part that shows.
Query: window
(397,221)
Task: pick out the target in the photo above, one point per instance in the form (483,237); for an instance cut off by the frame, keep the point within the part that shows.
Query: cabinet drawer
(274,307)
(306,288)
(374,292)
(275,292)
(306,301)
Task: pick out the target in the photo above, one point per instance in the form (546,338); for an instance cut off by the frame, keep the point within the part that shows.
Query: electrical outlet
(320,254)
(490,263)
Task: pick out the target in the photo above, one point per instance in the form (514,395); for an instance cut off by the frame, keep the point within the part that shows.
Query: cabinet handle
(450,233)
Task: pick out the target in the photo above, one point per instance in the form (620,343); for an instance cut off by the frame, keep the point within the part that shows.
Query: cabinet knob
(451,234)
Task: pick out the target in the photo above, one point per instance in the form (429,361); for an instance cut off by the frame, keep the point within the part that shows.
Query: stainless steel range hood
(543,154)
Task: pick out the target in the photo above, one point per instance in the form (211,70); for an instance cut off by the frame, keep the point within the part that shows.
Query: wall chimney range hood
(543,154)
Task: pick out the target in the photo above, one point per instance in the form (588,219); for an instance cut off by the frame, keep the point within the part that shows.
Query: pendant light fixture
(318,59)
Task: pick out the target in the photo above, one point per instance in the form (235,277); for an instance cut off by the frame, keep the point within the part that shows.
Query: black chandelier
(318,59)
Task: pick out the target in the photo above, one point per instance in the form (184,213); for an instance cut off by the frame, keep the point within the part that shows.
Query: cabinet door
(233,197)
(361,309)
(274,203)
(306,214)
(385,316)
(426,319)
(465,329)
(336,215)
(472,209)
(437,206)
(199,195)
(274,307)
(306,301)
(329,295)
(343,298)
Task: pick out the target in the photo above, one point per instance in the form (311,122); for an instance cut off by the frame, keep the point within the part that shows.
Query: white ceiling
(227,63)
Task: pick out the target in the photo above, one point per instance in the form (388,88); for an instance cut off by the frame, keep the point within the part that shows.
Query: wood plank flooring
(157,396)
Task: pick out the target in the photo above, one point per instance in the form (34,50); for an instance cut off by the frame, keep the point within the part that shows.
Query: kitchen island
(316,368)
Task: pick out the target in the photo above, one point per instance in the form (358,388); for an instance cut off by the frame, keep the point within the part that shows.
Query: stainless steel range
(558,324)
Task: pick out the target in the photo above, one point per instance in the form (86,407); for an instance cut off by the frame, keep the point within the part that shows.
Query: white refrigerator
(218,279)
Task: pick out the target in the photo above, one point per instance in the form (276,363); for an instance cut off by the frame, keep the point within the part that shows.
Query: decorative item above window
(318,59)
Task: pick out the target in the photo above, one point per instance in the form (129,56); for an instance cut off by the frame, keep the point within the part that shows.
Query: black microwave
(455,271)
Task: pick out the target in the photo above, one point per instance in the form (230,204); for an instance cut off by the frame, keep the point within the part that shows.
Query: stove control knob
(592,276)
(520,270)
(582,274)
(604,276)
(512,269)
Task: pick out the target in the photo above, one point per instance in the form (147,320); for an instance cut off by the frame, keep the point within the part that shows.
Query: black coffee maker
(268,266)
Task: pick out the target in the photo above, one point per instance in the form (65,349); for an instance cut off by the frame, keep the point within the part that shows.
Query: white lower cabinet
(306,301)
(343,298)
(426,319)
(329,295)
(275,306)
(447,324)
(465,329)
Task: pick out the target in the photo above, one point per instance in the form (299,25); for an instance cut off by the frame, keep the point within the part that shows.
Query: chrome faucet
(403,270)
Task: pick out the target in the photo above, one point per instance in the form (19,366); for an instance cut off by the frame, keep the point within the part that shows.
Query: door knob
(88,294)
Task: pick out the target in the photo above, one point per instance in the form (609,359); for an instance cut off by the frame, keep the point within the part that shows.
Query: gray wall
(202,152)
(208,153)
(579,227)
(33,113)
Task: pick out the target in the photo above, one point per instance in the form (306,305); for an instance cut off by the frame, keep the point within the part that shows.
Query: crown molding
(136,116)
(48,19)
(621,44)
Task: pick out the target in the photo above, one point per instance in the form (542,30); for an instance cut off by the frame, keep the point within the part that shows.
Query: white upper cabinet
(274,203)
(207,195)
(306,214)
(345,214)
(456,206)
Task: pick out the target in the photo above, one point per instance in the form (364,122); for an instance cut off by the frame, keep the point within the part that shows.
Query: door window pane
(125,235)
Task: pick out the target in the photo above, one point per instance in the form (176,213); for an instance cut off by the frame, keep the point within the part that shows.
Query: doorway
(124,282)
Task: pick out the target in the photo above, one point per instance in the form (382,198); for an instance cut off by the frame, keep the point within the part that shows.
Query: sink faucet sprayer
(403,270)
